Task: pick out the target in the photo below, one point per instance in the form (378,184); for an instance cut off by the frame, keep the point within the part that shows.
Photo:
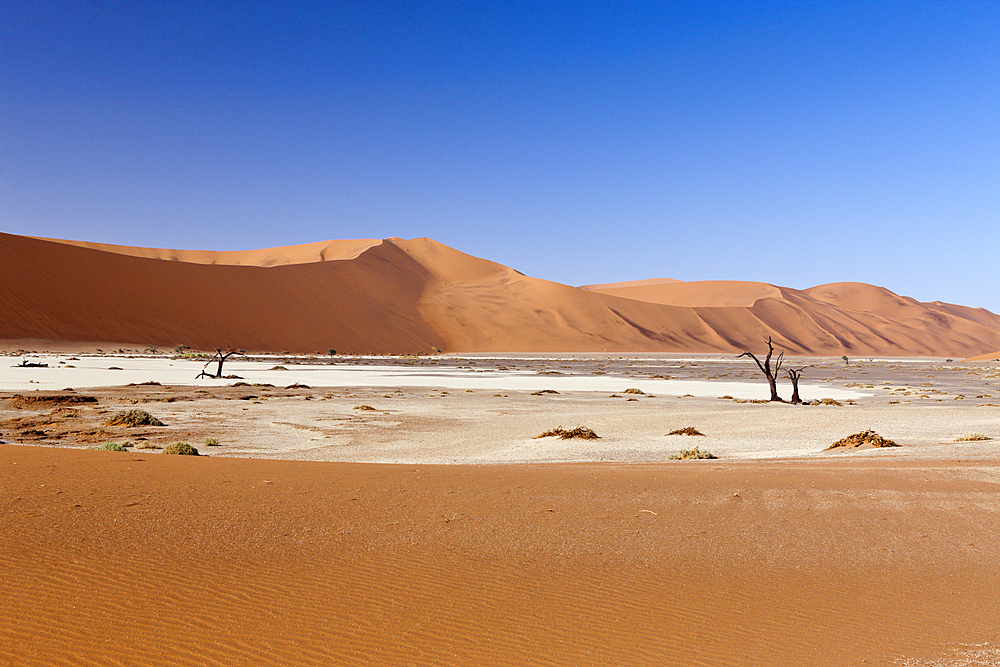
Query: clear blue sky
(795,143)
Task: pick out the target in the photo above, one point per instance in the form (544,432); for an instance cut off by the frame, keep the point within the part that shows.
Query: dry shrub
(633,391)
(830,401)
(134,417)
(869,437)
(363,407)
(695,453)
(181,448)
(277,368)
(581,432)
(972,437)
(544,391)
(687,430)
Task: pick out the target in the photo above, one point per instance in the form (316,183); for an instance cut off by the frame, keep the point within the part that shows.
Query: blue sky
(792,143)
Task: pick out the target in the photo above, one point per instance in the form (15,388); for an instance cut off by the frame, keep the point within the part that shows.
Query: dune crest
(404,296)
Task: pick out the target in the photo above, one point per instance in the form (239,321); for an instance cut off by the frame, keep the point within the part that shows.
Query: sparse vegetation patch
(869,438)
(181,448)
(581,432)
(972,437)
(134,417)
(695,453)
(114,447)
(687,430)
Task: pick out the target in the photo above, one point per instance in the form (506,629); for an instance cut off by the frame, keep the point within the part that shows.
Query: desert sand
(398,296)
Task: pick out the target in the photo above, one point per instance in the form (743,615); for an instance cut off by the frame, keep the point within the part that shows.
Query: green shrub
(181,448)
(210,442)
(114,447)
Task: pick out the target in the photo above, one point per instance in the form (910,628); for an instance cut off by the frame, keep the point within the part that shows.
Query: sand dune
(400,296)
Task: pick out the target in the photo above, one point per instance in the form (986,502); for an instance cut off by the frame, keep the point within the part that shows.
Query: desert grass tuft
(632,390)
(695,453)
(830,401)
(363,407)
(972,437)
(133,417)
(687,430)
(864,438)
(581,432)
(210,442)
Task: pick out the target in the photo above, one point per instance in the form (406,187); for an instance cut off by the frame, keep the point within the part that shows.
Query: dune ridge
(403,296)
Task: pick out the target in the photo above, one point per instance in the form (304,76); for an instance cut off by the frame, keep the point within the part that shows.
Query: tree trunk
(765,368)
(794,374)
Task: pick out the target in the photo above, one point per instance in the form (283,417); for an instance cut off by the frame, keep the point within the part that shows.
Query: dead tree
(794,374)
(765,368)
(219,357)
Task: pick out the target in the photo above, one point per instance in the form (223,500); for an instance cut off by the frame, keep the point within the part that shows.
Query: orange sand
(125,558)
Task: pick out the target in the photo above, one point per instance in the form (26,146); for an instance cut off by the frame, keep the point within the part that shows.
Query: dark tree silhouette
(219,357)
(794,374)
(766,369)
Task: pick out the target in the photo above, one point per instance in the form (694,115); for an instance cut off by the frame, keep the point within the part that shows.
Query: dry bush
(633,391)
(864,438)
(181,448)
(830,401)
(114,446)
(695,453)
(210,442)
(544,391)
(581,432)
(687,430)
(363,407)
(972,437)
(133,417)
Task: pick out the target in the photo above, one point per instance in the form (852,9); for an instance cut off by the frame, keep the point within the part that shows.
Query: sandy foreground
(601,552)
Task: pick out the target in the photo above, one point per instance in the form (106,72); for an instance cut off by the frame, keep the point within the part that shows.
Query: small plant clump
(632,390)
(363,407)
(210,442)
(830,401)
(581,432)
(147,445)
(687,430)
(972,437)
(134,417)
(181,448)
(868,437)
(544,391)
(114,447)
(695,453)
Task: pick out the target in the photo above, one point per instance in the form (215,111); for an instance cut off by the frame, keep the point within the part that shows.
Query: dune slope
(398,296)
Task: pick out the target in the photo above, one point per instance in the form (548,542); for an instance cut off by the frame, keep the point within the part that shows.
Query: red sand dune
(396,296)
